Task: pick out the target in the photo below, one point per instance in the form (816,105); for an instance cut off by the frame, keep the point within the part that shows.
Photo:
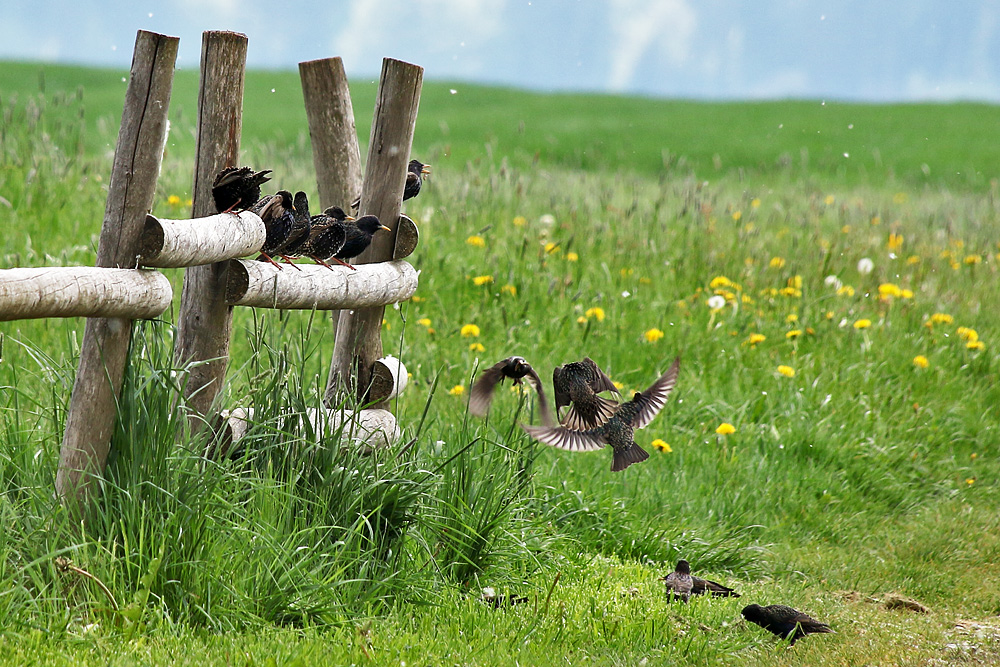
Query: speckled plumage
(679,582)
(783,621)
(278,214)
(515,368)
(619,430)
(578,384)
(299,233)
(237,186)
(327,235)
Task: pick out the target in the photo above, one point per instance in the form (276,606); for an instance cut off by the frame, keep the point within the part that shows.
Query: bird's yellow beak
(426,169)
(385,228)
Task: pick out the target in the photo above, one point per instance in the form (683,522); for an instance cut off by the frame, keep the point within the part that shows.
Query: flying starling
(277,212)
(235,186)
(784,621)
(415,171)
(327,235)
(680,583)
(699,586)
(359,237)
(579,383)
(299,233)
(515,368)
(618,431)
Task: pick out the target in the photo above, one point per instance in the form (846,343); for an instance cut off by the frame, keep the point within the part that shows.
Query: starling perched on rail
(299,233)
(415,172)
(327,235)
(515,368)
(680,582)
(784,621)
(277,211)
(359,237)
(699,586)
(618,431)
(234,186)
(579,383)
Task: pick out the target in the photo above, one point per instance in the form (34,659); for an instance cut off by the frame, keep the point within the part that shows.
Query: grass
(596,224)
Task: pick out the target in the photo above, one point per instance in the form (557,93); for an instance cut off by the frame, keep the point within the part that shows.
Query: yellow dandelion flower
(755,202)
(737,215)
(653,335)
(387,324)
(725,428)
(828,315)
(470,331)
(661,445)
(976,345)
(862,323)
(188,202)
(899,198)
(886,290)
(876,220)
(971,260)
(457,390)
(477,347)
(476,241)
(791,317)
(551,248)
(581,320)
(720,281)
(618,385)
(941,318)
(793,334)
(424,321)
(645,281)
(596,312)
(787,371)
(913,259)
(777,262)
(905,293)
(920,361)
(846,229)
(478,281)
(829,200)
(572,257)
(795,281)
(895,241)
(965,333)
(626,272)
(790,292)
(174,200)
(970,481)
(417,299)
(508,289)
(755,339)
(845,290)
(520,221)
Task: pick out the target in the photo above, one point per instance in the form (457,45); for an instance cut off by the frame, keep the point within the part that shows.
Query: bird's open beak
(426,169)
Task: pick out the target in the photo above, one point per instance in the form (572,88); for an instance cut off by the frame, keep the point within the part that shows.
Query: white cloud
(638,26)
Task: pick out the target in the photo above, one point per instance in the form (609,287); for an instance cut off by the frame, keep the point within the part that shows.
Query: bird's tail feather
(626,457)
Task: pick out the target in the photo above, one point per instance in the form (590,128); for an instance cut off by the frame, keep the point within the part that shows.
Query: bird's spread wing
(653,399)
(560,387)
(543,403)
(556,436)
(596,413)
(481,394)
(601,380)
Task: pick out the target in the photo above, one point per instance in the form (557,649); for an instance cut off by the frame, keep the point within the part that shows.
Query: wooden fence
(119,290)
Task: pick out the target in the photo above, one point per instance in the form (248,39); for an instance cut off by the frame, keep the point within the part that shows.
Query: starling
(784,621)
(359,237)
(680,583)
(618,430)
(515,368)
(277,212)
(235,186)
(415,172)
(327,235)
(699,586)
(580,382)
(298,235)
(491,598)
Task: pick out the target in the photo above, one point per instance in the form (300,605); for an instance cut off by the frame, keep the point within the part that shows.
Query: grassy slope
(852,475)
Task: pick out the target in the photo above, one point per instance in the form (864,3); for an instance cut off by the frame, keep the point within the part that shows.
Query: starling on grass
(237,186)
(515,368)
(784,621)
(277,211)
(327,235)
(579,383)
(680,583)
(359,237)
(699,586)
(299,233)
(415,171)
(491,598)
(618,431)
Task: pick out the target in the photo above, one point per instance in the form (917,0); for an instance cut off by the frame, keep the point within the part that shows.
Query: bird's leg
(343,263)
(288,260)
(318,260)
(235,204)
(268,258)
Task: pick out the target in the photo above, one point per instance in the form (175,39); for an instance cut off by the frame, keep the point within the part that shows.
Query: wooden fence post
(90,420)
(204,324)
(334,139)
(359,332)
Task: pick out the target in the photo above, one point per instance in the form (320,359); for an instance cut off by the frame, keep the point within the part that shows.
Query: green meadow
(827,273)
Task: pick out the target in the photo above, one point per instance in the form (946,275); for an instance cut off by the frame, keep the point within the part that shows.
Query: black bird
(699,586)
(415,171)
(298,235)
(237,185)
(515,368)
(618,431)
(359,237)
(327,235)
(579,383)
(680,582)
(784,621)
(278,213)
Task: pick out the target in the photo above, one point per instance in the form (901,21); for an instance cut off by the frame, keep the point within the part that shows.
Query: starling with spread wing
(515,368)
(578,384)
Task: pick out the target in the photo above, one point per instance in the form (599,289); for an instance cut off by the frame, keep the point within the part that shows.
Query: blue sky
(882,50)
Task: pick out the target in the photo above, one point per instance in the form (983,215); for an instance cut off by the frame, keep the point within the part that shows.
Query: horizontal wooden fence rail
(182,243)
(82,291)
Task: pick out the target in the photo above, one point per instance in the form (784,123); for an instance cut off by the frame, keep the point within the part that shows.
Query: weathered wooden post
(204,324)
(359,332)
(90,419)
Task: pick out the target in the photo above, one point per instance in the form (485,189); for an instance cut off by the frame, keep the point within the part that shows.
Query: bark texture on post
(263,285)
(359,334)
(83,291)
(90,419)
(178,243)
(205,321)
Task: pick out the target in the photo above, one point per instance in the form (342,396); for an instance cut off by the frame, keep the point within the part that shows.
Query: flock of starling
(592,421)
(291,232)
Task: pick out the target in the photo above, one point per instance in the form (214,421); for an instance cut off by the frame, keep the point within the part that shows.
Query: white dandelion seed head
(833,281)
(865,266)
(717,302)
